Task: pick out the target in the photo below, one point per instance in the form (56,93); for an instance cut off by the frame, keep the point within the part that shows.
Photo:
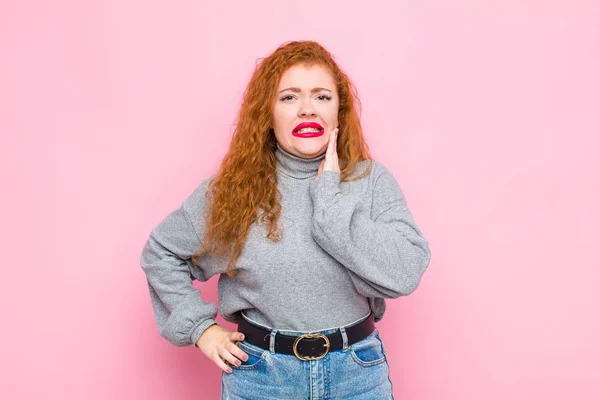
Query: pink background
(487,113)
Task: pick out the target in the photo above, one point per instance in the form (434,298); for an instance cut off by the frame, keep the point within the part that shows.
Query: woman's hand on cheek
(330,162)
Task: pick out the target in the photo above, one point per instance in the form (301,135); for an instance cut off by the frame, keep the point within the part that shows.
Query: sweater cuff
(199,330)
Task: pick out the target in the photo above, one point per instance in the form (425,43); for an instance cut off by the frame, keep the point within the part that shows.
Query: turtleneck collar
(297,167)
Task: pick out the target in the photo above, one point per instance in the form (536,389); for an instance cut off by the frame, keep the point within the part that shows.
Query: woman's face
(306,110)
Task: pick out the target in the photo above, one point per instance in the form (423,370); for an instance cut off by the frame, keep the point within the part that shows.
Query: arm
(181,313)
(383,250)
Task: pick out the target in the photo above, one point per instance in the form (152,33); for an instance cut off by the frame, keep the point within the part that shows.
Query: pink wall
(487,112)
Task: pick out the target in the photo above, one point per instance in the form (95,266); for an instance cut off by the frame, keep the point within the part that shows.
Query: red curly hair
(247,180)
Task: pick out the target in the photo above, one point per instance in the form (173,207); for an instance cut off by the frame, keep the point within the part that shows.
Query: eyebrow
(298,90)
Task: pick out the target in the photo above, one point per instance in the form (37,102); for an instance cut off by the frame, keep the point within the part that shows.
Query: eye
(324,97)
(287,97)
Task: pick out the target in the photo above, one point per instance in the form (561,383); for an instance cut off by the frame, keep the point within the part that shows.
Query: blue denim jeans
(356,372)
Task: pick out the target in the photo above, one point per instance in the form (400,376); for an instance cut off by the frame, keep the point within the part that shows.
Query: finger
(235,336)
(331,144)
(230,358)
(333,157)
(237,352)
(334,145)
(221,364)
(320,169)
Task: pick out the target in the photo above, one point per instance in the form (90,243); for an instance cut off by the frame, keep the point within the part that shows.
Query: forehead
(307,77)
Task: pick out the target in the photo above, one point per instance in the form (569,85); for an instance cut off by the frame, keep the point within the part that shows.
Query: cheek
(332,113)
(283,117)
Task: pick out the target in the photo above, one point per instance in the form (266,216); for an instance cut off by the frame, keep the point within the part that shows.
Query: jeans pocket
(368,351)
(256,356)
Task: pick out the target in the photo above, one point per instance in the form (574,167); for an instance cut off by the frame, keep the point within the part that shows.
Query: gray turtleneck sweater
(345,247)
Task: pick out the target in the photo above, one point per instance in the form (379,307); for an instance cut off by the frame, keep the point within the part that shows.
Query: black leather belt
(310,346)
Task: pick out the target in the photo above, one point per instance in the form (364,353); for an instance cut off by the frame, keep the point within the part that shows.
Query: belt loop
(344,338)
(272,341)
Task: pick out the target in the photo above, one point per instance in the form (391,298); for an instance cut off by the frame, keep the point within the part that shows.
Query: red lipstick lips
(308,134)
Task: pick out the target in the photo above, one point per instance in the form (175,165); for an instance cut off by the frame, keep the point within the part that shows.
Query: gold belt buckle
(310,336)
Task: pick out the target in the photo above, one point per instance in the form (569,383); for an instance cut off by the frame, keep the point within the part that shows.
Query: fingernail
(242,336)
(229,370)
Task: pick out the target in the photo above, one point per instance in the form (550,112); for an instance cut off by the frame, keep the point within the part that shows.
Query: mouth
(308,130)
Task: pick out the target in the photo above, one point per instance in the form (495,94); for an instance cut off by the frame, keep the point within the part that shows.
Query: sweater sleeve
(181,313)
(382,248)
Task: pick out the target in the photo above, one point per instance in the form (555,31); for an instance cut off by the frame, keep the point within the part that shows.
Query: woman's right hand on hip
(218,344)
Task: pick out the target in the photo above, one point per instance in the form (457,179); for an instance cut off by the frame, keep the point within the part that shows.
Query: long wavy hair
(246,181)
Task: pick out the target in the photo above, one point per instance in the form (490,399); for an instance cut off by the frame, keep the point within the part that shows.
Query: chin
(312,153)
(313,149)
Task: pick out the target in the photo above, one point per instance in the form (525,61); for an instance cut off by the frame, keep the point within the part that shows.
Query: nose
(306,109)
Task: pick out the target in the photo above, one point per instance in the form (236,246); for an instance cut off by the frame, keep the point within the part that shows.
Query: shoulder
(376,170)
(370,177)
(382,179)
(195,202)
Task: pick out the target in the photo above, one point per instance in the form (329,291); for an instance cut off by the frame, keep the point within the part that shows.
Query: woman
(308,235)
